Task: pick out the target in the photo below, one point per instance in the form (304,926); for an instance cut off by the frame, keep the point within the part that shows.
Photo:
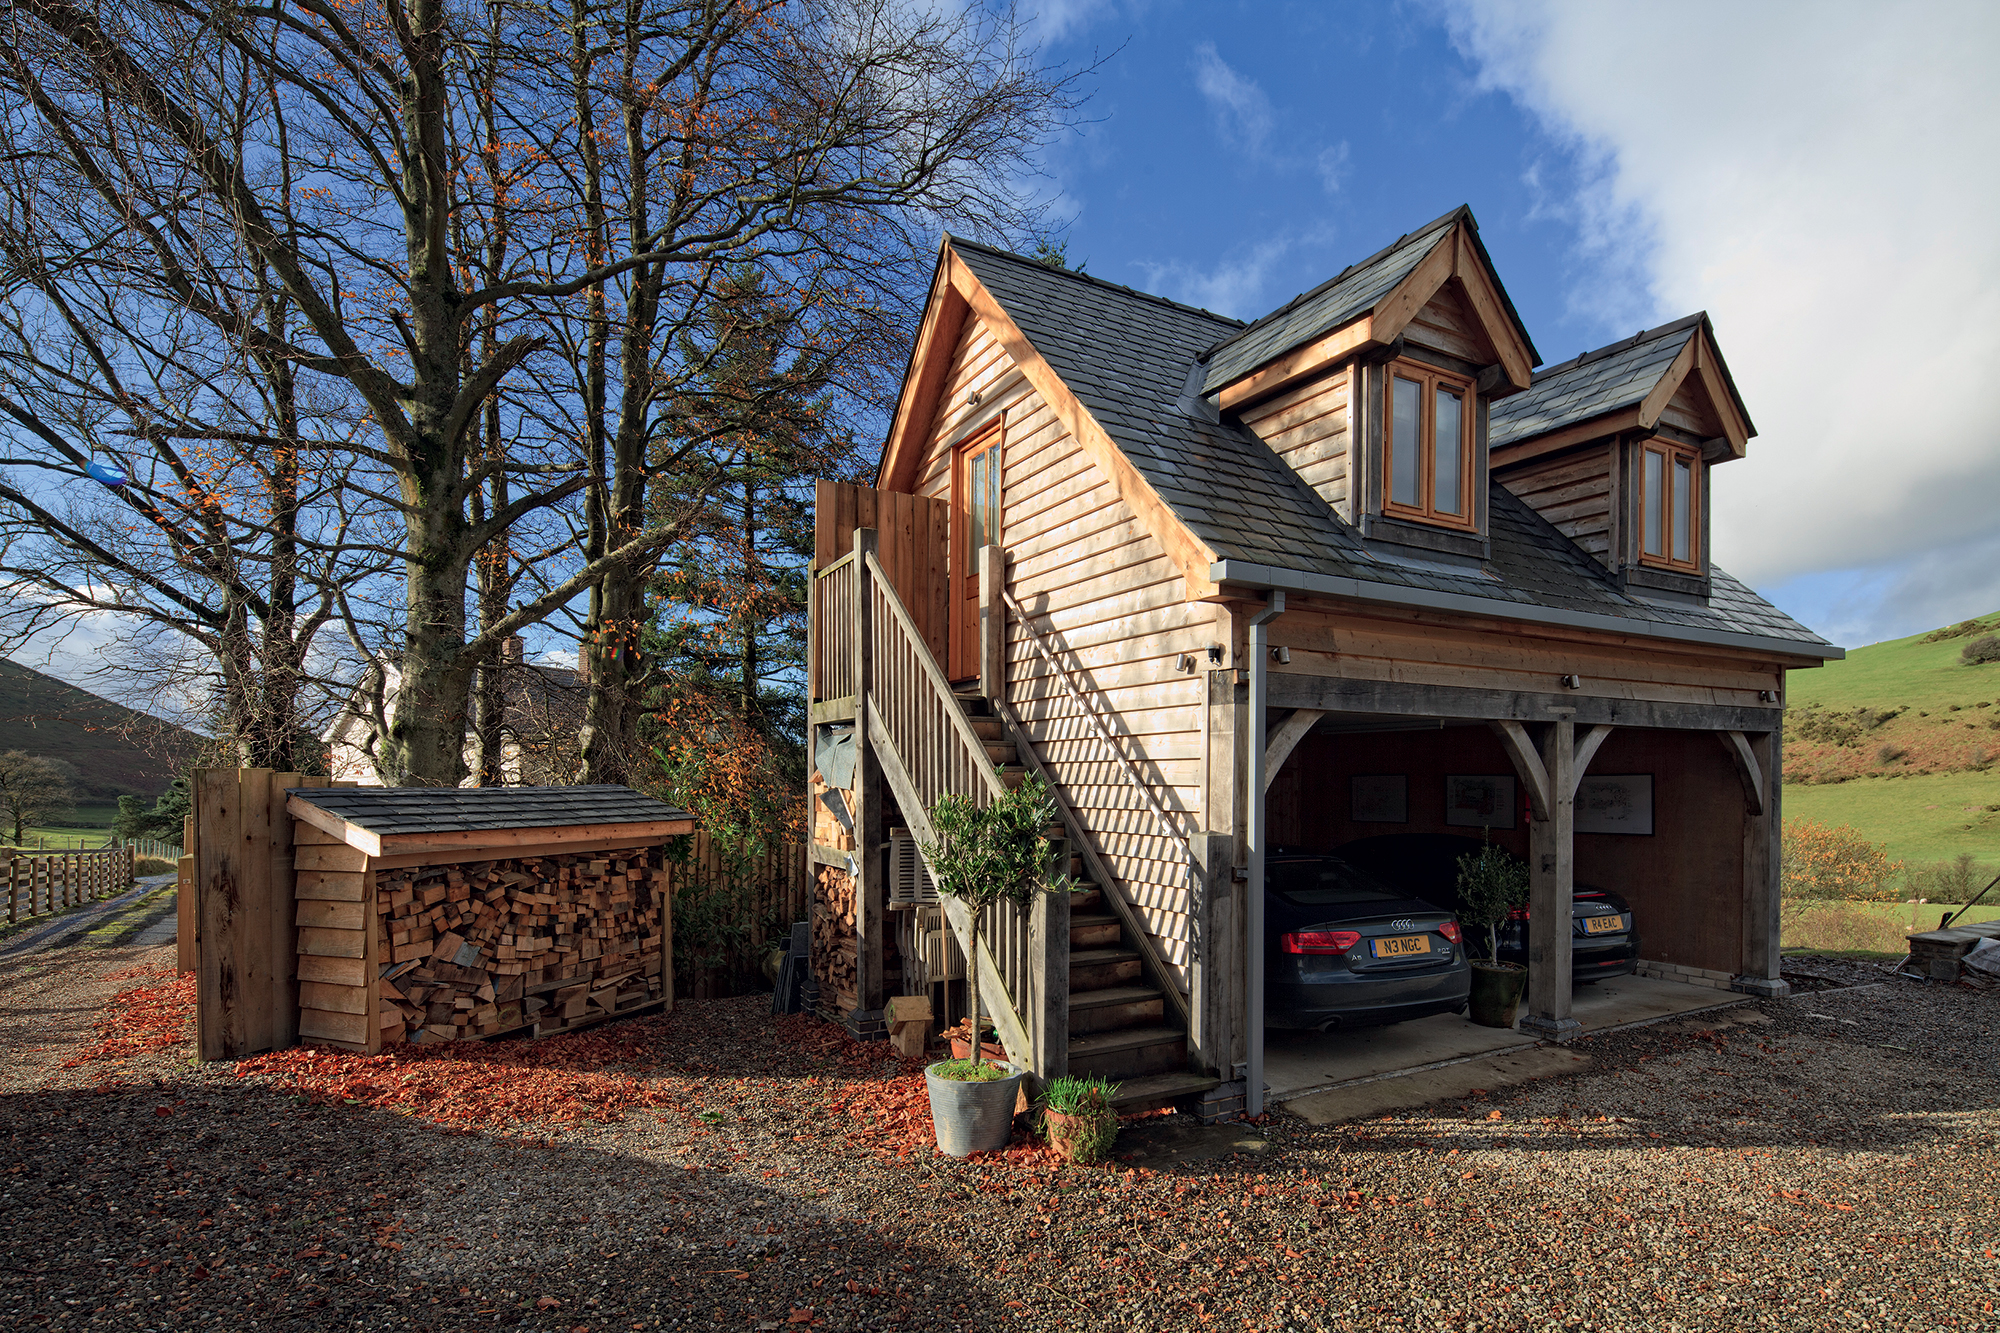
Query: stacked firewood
(544,943)
(833,942)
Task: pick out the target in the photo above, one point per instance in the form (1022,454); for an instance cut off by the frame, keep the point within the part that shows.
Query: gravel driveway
(1792,1170)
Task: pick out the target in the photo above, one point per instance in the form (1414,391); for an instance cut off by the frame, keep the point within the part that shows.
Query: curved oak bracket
(1748,770)
(1285,737)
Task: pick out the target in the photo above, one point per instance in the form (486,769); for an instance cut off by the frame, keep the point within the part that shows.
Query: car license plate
(1401,946)
(1602,925)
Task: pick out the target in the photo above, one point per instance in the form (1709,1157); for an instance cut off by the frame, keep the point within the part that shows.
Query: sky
(1820,178)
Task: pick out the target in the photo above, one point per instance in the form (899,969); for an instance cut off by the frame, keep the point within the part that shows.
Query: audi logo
(1404,924)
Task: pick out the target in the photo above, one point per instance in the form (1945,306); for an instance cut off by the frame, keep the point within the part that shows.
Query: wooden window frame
(963,639)
(1431,378)
(1671,452)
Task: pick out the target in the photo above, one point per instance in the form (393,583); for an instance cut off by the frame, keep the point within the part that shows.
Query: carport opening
(1660,834)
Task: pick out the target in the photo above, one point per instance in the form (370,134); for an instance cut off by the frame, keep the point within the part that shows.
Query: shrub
(1955,881)
(1963,629)
(153,865)
(1981,650)
(1889,752)
(1826,862)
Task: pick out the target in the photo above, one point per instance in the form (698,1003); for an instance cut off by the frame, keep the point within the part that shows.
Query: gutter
(1248,575)
(1253,921)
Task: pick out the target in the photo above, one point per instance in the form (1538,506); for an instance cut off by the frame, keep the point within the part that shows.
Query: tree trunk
(972,987)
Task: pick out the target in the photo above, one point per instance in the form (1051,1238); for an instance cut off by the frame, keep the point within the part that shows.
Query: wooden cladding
(1575,493)
(1307,427)
(915,539)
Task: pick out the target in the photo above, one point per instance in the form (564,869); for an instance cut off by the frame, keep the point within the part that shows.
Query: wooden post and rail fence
(43,883)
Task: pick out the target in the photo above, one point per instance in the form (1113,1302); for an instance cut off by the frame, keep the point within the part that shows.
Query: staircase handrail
(998,1001)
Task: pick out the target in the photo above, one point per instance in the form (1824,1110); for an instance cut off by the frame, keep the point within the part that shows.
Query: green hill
(1901,741)
(115,750)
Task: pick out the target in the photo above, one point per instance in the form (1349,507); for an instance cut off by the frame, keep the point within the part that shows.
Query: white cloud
(1333,166)
(1821,178)
(1057,19)
(1235,286)
(1243,115)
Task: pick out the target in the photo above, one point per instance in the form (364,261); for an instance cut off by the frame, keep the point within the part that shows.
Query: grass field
(1924,818)
(1898,673)
(63,837)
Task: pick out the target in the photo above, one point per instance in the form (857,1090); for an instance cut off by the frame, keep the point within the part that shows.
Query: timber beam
(1342,695)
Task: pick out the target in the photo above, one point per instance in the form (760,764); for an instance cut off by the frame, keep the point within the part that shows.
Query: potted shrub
(1078,1117)
(960,1037)
(1490,884)
(985,855)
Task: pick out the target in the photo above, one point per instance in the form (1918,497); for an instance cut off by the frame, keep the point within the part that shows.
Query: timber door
(975,522)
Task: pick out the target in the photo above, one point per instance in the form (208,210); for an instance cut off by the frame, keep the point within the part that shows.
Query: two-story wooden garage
(1236,578)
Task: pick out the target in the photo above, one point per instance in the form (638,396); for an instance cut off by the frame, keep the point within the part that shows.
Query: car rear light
(1450,931)
(1517,914)
(1319,941)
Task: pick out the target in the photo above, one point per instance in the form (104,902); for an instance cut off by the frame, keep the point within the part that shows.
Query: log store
(446,914)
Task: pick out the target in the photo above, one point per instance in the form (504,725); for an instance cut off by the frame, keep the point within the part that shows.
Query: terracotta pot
(961,1049)
(1064,1130)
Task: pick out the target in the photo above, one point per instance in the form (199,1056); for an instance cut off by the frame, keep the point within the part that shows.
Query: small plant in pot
(985,854)
(1077,1115)
(1491,884)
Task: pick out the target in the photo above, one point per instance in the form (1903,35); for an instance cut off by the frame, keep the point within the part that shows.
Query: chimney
(515,650)
(583,664)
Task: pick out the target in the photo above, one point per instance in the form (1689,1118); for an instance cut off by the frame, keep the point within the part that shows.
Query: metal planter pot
(972,1117)
(1496,993)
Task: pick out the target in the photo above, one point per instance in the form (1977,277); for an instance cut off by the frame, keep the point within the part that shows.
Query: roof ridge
(1463,210)
(1596,354)
(1092,278)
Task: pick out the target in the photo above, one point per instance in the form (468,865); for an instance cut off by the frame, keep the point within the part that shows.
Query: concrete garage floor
(1299,1064)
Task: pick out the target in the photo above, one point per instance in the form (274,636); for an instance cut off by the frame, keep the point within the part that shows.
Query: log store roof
(398,811)
(1135,362)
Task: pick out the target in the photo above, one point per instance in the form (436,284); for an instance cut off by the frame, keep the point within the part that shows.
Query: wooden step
(1085,900)
(988,728)
(1095,969)
(1013,777)
(1129,1052)
(1094,930)
(1153,1091)
(1115,1007)
(1000,753)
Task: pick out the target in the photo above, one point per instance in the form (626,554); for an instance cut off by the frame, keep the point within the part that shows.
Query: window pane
(1655,482)
(1445,489)
(981,482)
(1683,514)
(1403,438)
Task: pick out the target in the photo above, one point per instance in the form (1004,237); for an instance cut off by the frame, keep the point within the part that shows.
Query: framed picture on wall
(1479,802)
(1380,798)
(1615,803)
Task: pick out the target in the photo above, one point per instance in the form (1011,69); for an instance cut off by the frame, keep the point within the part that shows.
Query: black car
(1603,942)
(1342,949)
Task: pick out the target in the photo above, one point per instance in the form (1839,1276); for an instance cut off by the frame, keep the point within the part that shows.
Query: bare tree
(33,790)
(343,197)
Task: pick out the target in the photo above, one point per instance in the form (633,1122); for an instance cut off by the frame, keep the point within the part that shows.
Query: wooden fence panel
(776,892)
(246,988)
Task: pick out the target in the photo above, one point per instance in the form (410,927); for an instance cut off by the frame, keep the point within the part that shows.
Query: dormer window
(1670,506)
(1428,434)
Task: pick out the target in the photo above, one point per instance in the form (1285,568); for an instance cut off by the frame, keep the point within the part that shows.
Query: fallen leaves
(149,1017)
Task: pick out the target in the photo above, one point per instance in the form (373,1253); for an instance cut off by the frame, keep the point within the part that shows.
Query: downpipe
(1253,916)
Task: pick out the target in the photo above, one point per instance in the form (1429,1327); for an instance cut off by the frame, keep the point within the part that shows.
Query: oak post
(1216,1008)
(868,867)
(1048,976)
(1551,892)
(14,886)
(1763,963)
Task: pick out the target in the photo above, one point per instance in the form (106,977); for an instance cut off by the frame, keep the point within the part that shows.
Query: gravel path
(1790,1170)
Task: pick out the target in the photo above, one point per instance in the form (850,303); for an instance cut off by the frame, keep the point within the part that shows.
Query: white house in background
(538,731)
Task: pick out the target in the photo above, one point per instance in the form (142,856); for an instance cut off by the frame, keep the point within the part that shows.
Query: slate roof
(390,811)
(1349,294)
(1603,381)
(1133,361)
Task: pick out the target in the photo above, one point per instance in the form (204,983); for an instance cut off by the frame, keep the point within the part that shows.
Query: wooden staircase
(1120,1026)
